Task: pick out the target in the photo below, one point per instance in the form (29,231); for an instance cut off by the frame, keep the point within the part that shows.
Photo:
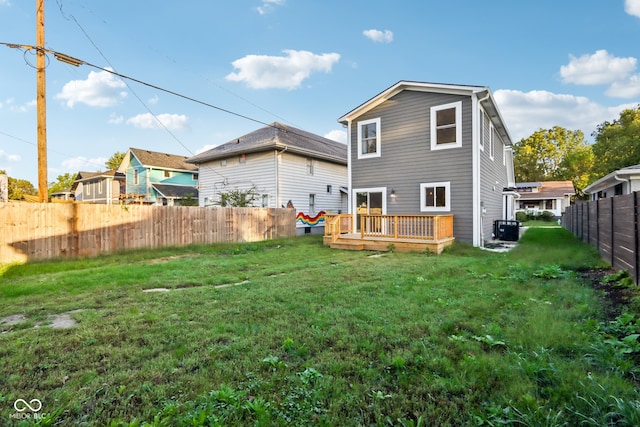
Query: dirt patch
(614,297)
(55,321)
(14,319)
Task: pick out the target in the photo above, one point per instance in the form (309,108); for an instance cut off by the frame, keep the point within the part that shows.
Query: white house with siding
(288,167)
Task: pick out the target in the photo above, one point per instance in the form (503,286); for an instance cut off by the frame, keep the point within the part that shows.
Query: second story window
(309,166)
(369,138)
(446,126)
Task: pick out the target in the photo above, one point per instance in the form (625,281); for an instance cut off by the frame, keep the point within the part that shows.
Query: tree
(115,160)
(189,200)
(617,144)
(18,188)
(63,183)
(555,154)
(239,198)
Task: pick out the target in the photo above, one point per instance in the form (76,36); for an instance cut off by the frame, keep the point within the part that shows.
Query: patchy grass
(289,332)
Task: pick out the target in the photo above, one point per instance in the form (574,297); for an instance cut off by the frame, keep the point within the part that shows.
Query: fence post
(636,246)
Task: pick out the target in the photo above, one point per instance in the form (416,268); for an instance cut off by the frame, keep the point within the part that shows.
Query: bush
(547,216)
(521,216)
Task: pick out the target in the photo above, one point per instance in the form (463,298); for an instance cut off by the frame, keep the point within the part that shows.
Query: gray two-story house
(431,149)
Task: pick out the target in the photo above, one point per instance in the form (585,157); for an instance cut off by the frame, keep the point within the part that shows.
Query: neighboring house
(158,178)
(617,183)
(63,196)
(428,148)
(287,167)
(99,187)
(552,196)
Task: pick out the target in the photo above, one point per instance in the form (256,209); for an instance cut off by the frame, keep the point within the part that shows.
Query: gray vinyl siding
(493,179)
(407,160)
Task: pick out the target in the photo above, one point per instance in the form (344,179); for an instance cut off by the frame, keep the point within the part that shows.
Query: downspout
(478,215)
(628,181)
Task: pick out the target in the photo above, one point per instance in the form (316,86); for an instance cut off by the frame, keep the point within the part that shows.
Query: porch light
(393,193)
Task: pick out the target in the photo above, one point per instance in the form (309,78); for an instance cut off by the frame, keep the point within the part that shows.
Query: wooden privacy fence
(611,226)
(36,231)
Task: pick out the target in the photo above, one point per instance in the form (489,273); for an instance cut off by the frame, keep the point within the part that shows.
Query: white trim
(458,126)
(480,119)
(447,197)
(492,141)
(353,206)
(378,140)
(476,160)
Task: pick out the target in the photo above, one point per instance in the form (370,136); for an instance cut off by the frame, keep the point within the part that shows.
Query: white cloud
(8,158)
(154,100)
(526,112)
(628,88)
(632,7)
(378,36)
(599,68)
(77,164)
(169,121)
(268,5)
(337,135)
(100,89)
(10,103)
(115,119)
(5,3)
(280,72)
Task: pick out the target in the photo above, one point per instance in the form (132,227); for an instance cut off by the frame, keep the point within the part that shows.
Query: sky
(205,72)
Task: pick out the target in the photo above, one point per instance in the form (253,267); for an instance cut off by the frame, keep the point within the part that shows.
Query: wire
(76,62)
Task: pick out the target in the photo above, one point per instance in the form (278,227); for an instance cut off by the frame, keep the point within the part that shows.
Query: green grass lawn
(289,332)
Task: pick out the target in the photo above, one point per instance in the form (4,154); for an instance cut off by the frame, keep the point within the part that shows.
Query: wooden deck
(403,233)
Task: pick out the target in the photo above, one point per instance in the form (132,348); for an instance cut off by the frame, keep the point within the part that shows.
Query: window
(99,187)
(369,138)
(446,126)
(435,197)
(492,139)
(329,189)
(484,126)
(309,166)
(167,174)
(223,162)
(265,200)
(135,177)
(194,177)
(312,204)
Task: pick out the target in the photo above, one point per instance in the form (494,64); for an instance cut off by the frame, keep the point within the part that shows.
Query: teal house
(158,178)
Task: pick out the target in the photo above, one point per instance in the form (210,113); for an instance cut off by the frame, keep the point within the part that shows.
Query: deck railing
(422,227)
(335,225)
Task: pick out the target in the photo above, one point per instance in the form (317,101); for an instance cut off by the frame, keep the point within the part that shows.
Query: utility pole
(41,99)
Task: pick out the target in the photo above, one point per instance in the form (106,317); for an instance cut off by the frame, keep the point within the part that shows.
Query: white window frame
(309,166)
(434,128)
(491,142)
(484,119)
(447,197)
(378,152)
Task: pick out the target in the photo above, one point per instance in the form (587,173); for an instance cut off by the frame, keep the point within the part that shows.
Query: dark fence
(611,226)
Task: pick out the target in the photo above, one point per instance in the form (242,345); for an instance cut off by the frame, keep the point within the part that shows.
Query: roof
(549,190)
(175,191)
(482,92)
(159,160)
(86,176)
(611,179)
(277,136)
